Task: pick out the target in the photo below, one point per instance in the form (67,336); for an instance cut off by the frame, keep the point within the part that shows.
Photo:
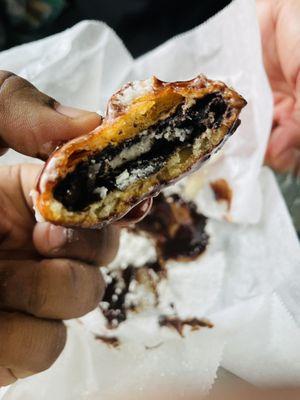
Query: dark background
(142,24)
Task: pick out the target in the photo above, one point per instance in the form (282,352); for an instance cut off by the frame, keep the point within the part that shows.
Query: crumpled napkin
(245,283)
(84,65)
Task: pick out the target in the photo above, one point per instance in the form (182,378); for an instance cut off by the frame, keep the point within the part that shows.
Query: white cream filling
(34,194)
(49,174)
(102,191)
(171,133)
(135,151)
(125,179)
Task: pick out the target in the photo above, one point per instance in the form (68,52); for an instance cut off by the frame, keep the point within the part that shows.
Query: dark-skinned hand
(47,273)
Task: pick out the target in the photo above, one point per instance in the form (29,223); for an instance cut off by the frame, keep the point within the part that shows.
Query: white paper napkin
(245,283)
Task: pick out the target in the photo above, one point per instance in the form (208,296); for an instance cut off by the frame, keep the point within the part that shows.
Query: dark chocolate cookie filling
(177,228)
(79,188)
(178,232)
(178,324)
(113,302)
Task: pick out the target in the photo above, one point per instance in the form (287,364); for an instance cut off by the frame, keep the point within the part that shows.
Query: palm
(280,30)
(16,217)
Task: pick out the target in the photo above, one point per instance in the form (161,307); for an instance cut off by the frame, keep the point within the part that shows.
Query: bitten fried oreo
(154,133)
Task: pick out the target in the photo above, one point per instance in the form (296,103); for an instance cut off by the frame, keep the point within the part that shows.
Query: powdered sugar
(134,90)
(34,194)
(125,178)
(49,174)
(129,92)
(102,191)
(134,250)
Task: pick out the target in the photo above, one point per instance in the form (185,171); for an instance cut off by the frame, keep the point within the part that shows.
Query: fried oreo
(153,134)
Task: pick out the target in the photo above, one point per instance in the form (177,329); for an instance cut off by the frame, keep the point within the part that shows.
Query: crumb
(156,346)
(176,227)
(111,341)
(222,191)
(178,324)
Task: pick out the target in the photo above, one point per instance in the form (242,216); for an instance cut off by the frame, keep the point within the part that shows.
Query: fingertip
(65,123)
(110,246)
(46,122)
(49,238)
(88,119)
(6,377)
(136,214)
(71,111)
(3,150)
(97,247)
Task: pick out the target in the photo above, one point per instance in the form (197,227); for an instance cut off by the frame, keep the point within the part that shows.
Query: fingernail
(136,214)
(46,149)
(284,161)
(71,112)
(58,237)
(146,206)
(3,150)
(277,143)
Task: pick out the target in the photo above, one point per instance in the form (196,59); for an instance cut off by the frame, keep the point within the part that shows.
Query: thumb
(33,123)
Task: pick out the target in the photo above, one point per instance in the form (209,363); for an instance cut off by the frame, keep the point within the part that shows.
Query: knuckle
(10,83)
(73,271)
(6,377)
(99,289)
(95,254)
(4,76)
(6,228)
(86,285)
(57,337)
(113,234)
(7,334)
(30,344)
(37,297)
(75,276)
(96,291)
(5,275)
(109,240)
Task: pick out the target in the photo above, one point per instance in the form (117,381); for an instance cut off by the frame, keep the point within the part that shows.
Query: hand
(280,29)
(47,272)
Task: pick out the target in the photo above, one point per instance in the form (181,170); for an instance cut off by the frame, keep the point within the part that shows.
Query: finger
(56,289)
(286,22)
(284,147)
(3,150)
(33,123)
(6,377)
(98,247)
(16,213)
(286,162)
(285,137)
(29,345)
(136,214)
